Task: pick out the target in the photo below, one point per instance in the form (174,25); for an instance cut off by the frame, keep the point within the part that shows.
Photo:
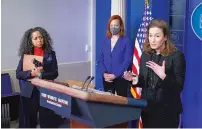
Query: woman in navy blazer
(116,57)
(36,41)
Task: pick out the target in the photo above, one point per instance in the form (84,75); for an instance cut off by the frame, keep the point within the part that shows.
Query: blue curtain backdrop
(192,93)
(161,9)
(103,13)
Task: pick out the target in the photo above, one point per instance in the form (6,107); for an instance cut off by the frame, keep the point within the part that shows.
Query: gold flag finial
(146,2)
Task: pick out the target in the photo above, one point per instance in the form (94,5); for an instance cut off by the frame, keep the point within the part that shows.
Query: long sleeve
(52,73)
(176,81)
(20,74)
(101,62)
(128,56)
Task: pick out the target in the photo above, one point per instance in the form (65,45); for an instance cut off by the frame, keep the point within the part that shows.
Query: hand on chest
(158,62)
(156,65)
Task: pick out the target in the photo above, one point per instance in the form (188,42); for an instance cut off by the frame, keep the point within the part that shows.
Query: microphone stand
(89,83)
(83,85)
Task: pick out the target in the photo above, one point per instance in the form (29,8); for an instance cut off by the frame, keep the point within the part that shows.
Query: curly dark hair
(26,46)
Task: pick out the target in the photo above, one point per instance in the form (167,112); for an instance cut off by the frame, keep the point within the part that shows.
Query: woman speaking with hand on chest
(161,77)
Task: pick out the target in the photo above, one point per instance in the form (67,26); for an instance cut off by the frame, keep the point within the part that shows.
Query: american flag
(141,36)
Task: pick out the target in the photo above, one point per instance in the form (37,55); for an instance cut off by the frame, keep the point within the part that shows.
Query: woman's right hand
(107,77)
(128,75)
(36,71)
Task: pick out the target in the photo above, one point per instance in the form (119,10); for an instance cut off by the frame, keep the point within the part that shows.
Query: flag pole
(140,38)
(146,2)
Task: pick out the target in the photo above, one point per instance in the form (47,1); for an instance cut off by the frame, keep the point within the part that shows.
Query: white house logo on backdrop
(196,21)
(175,37)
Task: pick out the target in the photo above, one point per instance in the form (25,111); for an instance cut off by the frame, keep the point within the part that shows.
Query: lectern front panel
(60,103)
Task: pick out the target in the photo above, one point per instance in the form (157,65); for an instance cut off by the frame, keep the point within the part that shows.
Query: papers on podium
(91,90)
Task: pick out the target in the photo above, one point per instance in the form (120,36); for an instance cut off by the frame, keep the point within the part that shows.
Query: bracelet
(40,75)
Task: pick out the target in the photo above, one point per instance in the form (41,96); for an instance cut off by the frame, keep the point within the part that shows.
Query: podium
(88,108)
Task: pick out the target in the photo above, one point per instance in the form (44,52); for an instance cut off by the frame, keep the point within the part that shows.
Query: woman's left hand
(111,77)
(159,70)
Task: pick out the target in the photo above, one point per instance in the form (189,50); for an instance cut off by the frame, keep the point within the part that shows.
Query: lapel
(160,63)
(116,45)
(45,58)
(147,58)
(108,46)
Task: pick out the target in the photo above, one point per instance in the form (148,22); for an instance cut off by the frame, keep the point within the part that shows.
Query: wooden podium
(73,123)
(91,108)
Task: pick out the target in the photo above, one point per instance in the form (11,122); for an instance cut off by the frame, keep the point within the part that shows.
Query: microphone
(89,82)
(85,82)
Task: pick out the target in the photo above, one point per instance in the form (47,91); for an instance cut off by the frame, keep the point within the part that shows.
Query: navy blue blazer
(50,73)
(117,61)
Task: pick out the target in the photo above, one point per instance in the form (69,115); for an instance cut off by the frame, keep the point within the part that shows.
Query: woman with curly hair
(36,41)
